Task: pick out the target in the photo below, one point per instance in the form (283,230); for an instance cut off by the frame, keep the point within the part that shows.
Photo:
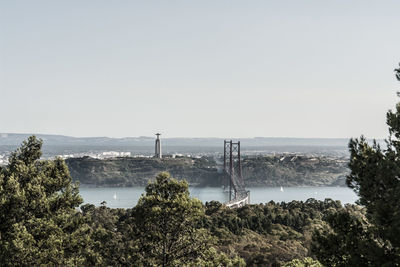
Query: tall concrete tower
(158,147)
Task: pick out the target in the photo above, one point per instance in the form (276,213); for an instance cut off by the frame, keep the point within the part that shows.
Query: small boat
(281,189)
(115,195)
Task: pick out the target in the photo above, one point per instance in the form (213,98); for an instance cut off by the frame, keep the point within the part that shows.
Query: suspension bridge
(238,195)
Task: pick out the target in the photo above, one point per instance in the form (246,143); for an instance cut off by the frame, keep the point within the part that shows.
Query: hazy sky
(198,68)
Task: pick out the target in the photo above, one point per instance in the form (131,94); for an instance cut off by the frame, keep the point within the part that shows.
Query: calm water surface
(127,197)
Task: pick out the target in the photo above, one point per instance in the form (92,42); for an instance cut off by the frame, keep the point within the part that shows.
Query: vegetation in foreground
(42,225)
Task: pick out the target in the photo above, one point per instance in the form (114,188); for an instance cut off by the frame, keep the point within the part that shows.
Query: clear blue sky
(198,68)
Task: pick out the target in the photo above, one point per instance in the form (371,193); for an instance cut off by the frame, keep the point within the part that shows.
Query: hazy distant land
(66,145)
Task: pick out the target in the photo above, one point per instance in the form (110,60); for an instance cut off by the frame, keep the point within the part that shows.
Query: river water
(127,197)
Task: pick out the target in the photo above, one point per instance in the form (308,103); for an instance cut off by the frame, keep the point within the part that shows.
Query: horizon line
(182,137)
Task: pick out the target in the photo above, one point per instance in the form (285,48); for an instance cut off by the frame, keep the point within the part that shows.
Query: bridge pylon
(238,196)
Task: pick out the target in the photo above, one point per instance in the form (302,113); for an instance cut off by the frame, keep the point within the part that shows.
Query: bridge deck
(240,201)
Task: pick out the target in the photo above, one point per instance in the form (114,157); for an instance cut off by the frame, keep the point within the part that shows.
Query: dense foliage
(268,234)
(39,223)
(167,228)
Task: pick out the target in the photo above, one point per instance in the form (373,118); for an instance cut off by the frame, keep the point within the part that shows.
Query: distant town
(104,147)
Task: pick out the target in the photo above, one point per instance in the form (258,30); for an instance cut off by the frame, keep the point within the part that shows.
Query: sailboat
(115,195)
(281,189)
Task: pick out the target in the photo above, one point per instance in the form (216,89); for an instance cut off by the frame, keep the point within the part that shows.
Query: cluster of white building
(101,155)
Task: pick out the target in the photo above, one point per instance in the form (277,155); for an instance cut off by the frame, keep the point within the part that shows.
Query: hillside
(129,171)
(294,171)
(257,171)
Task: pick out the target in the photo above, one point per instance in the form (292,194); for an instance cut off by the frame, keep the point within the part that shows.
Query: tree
(107,235)
(39,220)
(167,227)
(349,241)
(375,177)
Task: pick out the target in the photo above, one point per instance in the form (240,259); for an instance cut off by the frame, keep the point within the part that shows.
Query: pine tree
(39,220)
(373,240)
(167,228)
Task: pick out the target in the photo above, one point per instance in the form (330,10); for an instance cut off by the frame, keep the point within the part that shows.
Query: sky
(199,68)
